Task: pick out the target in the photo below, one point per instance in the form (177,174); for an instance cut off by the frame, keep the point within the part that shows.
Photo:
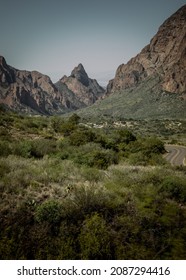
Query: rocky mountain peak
(86,91)
(2,60)
(80,74)
(7,75)
(165,56)
(79,68)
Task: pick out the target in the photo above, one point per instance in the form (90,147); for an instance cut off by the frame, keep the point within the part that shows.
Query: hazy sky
(54,36)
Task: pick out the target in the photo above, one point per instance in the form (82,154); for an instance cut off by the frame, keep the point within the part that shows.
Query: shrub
(42,147)
(4,168)
(94,239)
(174,187)
(67,128)
(93,155)
(5,149)
(125,136)
(49,211)
(102,159)
(153,146)
(74,119)
(22,148)
(91,174)
(56,123)
(81,137)
(4,133)
(88,199)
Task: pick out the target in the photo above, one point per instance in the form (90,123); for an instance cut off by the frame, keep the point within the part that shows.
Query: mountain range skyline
(53,37)
(153,82)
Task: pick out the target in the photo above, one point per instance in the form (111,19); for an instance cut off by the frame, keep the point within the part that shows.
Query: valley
(94,174)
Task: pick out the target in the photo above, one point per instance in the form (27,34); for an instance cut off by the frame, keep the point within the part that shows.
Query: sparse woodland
(69,191)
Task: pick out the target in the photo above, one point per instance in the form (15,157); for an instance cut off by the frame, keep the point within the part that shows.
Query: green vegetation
(143,101)
(69,191)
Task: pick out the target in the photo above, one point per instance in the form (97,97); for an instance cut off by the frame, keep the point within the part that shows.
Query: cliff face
(31,91)
(165,56)
(86,90)
(7,74)
(28,91)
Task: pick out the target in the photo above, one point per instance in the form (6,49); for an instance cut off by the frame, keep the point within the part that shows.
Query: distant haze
(54,36)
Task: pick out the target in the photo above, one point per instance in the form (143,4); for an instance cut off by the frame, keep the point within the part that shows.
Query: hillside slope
(146,100)
(152,84)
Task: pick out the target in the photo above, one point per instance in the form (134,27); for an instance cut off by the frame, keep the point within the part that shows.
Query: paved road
(176,154)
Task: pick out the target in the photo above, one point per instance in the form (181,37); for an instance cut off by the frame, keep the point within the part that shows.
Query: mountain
(165,56)
(27,91)
(86,90)
(33,92)
(152,84)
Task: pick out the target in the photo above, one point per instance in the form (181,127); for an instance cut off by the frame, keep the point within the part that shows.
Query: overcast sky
(54,36)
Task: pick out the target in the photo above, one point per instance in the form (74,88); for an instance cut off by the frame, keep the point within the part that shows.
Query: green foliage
(73,192)
(153,146)
(94,239)
(4,133)
(49,211)
(22,148)
(74,119)
(81,137)
(56,123)
(67,128)
(93,155)
(5,149)
(91,174)
(125,136)
(174,188)
(4,168)
(42,147)
(102,159)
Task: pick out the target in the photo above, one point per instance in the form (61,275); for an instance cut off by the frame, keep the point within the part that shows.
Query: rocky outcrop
(7,73)
(86,90)
(33,92)
(164,56)
(28,91)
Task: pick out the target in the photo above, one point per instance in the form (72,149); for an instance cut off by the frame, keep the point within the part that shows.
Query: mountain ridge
(165,55)
(85,89)
(142,85)
(153,83)
(34,92)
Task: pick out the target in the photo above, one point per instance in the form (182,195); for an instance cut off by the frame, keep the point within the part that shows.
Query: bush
(67,128)
(56,123)
(153,146)
(91,174)
(93,155)
(175,188)
(4,168)
(74,119)
(42,147)
(22,148)
(94,239)
(5,149)
(49,211)
(102,159)
(81,137)
(4,133)
(125,136)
